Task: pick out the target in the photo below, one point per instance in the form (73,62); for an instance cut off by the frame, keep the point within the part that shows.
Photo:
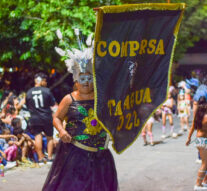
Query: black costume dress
(76,169)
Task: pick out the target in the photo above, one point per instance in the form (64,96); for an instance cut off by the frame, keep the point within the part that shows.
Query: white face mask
(85,78)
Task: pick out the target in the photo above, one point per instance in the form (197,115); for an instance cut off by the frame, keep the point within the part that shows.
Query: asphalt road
(168,166)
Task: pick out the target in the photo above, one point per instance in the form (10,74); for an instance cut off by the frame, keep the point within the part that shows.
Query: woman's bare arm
(190,134)
(59,117)
(28,138)
(8,136)
(20,142)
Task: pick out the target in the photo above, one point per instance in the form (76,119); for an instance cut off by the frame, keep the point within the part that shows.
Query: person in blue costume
(83,162)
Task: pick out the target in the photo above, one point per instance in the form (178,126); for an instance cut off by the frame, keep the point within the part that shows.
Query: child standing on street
(147,130)
(182,112)
(167,112)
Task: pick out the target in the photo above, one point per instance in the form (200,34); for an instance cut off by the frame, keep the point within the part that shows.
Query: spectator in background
(39,101)
(24,141)
(5,138)
(147,130)
(167,112)
(14,100)
(201,93)
(173,92)
(183,112)
(5,98)
(4,132)
(2,157)
(188,102)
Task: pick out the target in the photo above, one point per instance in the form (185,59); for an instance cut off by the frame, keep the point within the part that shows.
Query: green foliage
(27,28)
(193,26)
(27,32)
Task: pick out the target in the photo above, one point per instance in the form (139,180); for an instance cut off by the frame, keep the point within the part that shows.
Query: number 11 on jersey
(38,99)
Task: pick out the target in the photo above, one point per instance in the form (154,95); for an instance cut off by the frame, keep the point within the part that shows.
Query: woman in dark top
(83,162)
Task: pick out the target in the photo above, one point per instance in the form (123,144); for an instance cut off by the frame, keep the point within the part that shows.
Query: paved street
(169,166)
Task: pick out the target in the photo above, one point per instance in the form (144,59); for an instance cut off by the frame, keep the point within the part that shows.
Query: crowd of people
(26,129)
(27,134)
(188,98)
(179,103)
(182,99)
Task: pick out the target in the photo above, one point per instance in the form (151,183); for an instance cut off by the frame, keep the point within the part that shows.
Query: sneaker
(186,128)
(199,188)
(174,135)
(46,154)
(163,136)
(145,144)
(10,165)
(198,161)
(181,131)
(49,161)
(42,161)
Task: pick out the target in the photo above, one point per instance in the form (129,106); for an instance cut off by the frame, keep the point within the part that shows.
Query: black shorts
(37,129)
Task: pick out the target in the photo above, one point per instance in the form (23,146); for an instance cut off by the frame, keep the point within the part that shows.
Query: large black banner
(133,55)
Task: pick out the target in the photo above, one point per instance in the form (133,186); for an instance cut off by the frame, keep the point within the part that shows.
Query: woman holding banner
(82,162)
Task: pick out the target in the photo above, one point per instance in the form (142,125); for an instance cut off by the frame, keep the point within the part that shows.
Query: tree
(27,29)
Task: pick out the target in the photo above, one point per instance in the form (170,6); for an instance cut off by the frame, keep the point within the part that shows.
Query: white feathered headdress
(78,61)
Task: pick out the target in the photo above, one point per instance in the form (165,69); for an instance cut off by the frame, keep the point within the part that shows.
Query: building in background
(194,59)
